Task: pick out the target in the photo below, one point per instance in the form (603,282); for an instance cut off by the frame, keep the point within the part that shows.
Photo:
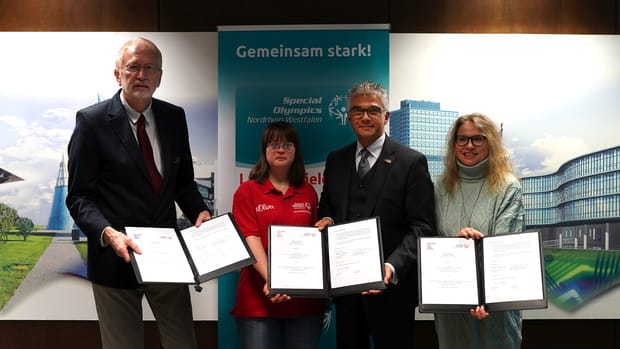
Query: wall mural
(48,77)
(555,99)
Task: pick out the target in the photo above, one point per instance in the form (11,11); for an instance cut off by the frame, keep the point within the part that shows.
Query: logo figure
(338,109)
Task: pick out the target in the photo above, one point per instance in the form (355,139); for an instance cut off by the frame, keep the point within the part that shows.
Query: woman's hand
(478,313)
(279,298)
(470,233)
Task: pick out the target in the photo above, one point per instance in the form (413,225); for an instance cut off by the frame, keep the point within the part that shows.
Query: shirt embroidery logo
(264,207)
(302,207)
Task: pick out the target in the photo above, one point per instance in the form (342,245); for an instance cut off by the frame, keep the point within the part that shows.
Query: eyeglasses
(148,69)
(373,112)
(476,140)
(288,146)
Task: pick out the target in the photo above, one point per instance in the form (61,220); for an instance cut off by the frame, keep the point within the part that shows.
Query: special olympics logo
(338,109)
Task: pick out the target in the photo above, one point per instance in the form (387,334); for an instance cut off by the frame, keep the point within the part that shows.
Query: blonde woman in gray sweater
(478,195)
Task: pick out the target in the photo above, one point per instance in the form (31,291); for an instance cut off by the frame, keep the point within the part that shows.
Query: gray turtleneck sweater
(473,205)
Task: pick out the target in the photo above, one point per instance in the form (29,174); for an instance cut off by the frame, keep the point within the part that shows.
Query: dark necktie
(363,166)
(147,154)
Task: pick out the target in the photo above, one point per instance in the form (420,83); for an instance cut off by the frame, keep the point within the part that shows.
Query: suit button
(361,186)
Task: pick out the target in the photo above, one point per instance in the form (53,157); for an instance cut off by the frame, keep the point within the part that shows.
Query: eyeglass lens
(477,140)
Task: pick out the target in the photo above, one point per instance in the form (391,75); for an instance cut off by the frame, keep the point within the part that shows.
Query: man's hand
(203,216)
(386,281)
(120,242)
(323,222)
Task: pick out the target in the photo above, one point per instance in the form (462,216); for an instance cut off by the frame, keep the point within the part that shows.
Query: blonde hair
(500,167)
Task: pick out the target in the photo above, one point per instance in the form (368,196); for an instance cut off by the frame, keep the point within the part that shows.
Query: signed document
(502,272)
(192,256)
(344,259)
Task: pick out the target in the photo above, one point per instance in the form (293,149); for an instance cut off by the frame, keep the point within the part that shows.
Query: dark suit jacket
(402,197)
(109,183)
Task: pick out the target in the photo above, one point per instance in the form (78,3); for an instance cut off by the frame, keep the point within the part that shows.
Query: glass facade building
(579,205)
(576,207)
(423,126)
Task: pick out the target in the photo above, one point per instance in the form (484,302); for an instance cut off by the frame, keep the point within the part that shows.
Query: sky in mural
(556,96)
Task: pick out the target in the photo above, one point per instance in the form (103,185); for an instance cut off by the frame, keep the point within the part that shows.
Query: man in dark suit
(129,162)
(376,176)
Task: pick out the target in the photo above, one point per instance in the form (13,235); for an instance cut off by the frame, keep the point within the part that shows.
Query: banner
(298,74)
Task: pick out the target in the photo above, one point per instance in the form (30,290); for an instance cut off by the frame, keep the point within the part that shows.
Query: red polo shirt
(255,207)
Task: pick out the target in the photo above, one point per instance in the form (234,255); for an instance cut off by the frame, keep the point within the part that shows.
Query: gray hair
(370,88)
(142,43)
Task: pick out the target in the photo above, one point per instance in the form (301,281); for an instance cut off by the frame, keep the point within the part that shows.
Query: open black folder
(343,259)
(501,272)
(191,256)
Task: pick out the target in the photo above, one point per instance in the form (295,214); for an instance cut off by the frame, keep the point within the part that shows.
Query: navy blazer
(402,196)
(109,182)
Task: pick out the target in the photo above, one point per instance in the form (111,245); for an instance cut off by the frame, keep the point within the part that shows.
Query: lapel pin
(388,161)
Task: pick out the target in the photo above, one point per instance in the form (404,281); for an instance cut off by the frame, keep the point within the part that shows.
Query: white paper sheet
(163,259)
(214,245)
(448,271)
(512,268)
(354,253)
(296,259)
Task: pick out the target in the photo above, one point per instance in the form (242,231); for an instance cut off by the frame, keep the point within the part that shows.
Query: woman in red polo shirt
(276,193)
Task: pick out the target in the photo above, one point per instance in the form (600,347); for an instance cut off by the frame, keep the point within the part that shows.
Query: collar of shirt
(268,187)
(374,149)
(134,115)
(150,129)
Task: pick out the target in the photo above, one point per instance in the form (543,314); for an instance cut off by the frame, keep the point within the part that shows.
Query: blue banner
(300,75)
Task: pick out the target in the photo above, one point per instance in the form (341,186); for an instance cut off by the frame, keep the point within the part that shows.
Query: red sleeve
(243,210)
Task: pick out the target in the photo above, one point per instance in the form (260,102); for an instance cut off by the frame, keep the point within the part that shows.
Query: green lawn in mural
(82,247)
(17,258)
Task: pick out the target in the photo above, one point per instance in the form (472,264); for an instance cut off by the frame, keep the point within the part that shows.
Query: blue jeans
(280,333)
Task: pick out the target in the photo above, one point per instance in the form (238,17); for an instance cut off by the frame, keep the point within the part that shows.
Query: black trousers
(388,319)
